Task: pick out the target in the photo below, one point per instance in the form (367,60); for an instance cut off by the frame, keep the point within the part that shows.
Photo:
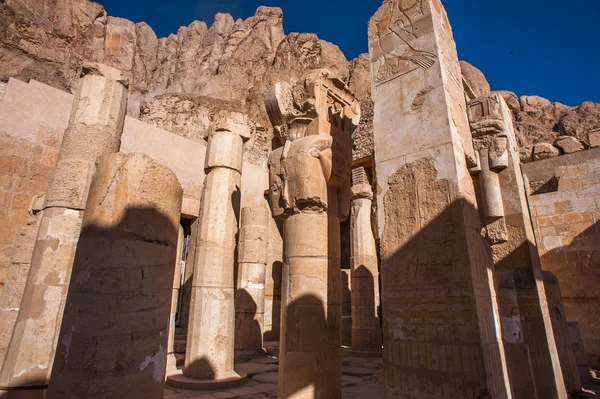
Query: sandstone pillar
(171,360)
(115,327)
(529,340)
(95,129)
(210,336)
(440,314)
(366,330)
(252,263)
(310,191)
(273,281)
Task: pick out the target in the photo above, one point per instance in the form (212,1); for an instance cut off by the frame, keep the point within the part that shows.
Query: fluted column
(95,129)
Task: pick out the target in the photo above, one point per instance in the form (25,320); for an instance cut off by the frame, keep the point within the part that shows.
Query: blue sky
(549,48)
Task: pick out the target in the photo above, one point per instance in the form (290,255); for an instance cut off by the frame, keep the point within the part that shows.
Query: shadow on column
(116,320)
(346,307)
(366,311)
(306,347)
(273,335)
(245,323)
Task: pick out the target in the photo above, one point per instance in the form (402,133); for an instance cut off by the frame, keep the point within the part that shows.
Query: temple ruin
(235,212)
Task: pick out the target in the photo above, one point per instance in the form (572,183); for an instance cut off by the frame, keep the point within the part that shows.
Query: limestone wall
(33,117)
(567,231)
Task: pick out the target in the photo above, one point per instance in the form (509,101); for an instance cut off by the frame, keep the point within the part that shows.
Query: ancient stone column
(252,263)
(366,330)
(115,327)
(529,341)
(310,190)
(273,281)
(440,316)
(171,360)
(210,337)
(94,130)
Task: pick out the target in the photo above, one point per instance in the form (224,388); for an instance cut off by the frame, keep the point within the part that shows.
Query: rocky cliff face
(538,120)
(177,82)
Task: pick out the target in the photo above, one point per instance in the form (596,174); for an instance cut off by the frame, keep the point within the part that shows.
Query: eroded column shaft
(116,321)
(252,262)
(210,342)
(95,129)
(366,330)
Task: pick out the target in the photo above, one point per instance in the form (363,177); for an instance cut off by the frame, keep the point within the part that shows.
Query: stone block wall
(567,231)
(33,118)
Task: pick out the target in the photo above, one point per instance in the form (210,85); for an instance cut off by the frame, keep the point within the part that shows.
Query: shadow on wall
(438,313)
(116,320)
(575,262)
(524,335)
(436,298)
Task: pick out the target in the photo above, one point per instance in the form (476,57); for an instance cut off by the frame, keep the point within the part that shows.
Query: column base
(178,380)
(349,352)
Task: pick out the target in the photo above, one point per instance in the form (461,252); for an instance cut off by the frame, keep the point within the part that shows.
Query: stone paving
(362,377)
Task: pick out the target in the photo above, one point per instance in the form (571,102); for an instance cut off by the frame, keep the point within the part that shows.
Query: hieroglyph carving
(393,36)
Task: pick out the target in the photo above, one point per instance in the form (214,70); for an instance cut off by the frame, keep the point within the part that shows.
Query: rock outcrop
(475,78)
(176,82)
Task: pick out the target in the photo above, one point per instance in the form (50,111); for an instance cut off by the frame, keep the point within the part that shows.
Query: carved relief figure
(392,34)
(314,121)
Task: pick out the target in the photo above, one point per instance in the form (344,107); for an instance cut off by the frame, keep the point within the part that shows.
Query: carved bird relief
(395,30)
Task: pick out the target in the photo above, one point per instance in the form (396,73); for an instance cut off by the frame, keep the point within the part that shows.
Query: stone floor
(362,377)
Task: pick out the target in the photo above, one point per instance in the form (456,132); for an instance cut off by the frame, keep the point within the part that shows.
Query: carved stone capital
(485,115)
(317,104)
(314,120)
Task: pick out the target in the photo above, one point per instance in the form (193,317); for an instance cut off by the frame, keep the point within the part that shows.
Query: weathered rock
(475,79)
(544,150)
(360,83)
(579,120)
(594,138)
(231,61)
(568,144)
